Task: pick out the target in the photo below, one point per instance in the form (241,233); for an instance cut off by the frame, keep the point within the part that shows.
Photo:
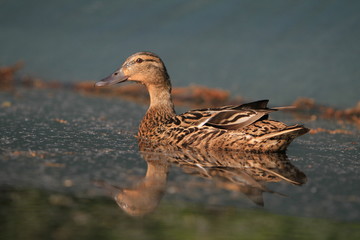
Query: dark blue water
(257,49)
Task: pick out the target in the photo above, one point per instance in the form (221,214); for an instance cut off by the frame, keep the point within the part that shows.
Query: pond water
(71,168)
(63,151)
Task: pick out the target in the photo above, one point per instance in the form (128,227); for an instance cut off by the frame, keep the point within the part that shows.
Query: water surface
(75,154)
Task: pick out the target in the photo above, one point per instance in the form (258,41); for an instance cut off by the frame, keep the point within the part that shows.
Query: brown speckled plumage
(244,128)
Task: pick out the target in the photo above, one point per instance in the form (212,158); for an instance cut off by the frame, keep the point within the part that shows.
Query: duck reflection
(144,197)
(242,172)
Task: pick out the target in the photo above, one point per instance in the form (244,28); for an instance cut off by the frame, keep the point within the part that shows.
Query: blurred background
(277,49)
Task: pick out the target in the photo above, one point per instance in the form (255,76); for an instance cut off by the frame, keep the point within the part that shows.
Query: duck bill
(116,77)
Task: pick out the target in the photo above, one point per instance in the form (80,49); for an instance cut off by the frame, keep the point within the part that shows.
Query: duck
(244,127)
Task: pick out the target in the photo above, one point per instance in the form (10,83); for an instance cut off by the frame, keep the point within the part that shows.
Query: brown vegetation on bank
(306,107)
(192,96)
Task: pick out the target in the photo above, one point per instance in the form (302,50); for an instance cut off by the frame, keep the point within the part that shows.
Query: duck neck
(160,99)
(160,111)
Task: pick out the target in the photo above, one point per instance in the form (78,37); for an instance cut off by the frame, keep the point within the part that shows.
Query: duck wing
(261,104)
(228,117)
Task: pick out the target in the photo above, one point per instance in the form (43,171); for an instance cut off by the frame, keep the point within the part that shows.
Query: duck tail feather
(291,131)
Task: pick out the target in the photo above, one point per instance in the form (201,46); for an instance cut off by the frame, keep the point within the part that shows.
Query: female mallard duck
(245,127)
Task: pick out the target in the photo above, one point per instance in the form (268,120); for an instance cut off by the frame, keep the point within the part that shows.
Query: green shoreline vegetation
(36,214)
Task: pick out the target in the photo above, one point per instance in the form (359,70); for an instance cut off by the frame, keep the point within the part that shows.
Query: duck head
(142,67)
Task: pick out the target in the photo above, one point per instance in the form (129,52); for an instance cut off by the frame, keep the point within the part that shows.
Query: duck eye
(139,60)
